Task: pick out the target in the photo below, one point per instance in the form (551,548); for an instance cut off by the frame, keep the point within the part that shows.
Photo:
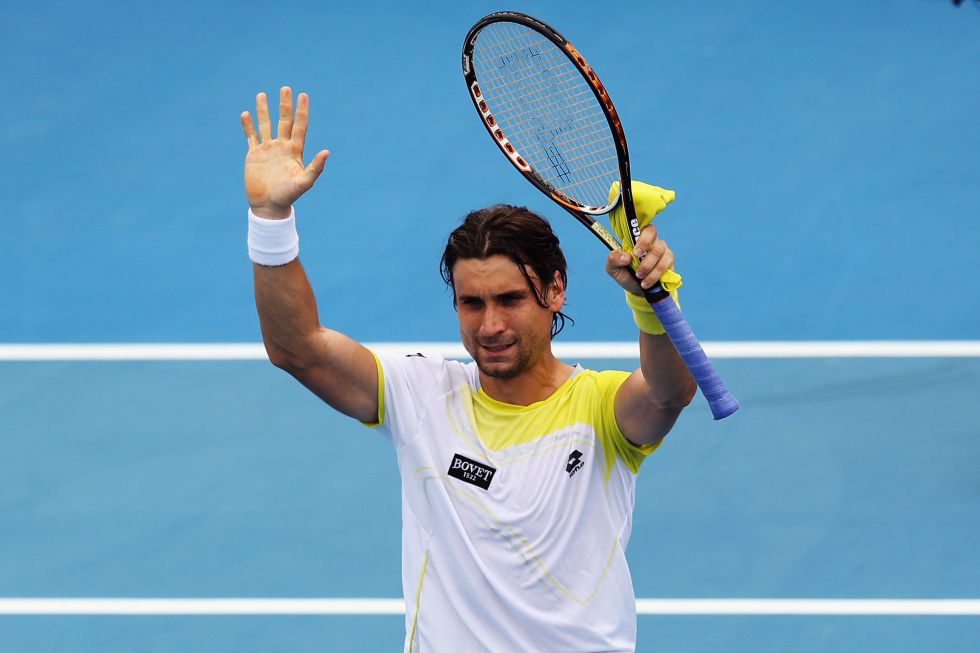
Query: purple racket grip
(721,401)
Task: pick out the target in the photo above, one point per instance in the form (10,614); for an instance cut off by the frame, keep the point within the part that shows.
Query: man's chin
(499,370)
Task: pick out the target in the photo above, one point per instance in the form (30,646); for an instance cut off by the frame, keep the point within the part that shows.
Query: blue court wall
(824,156)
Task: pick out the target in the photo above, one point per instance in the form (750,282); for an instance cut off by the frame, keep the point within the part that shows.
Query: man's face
(501,323)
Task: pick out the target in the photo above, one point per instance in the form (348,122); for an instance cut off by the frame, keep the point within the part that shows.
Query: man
(518,469)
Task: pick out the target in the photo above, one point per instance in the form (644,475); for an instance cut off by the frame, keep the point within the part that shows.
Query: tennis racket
(549,114)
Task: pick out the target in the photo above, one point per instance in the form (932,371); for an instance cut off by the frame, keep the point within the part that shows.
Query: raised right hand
(274,173)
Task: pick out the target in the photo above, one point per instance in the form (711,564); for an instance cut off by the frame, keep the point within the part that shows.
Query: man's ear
(556,293)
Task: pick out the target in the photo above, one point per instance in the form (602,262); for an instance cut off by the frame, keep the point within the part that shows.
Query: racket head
(547,111)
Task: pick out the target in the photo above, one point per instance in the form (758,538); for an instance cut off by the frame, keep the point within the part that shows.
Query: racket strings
(547,111)
(542,97)
(563,89)
(590,146)
(568,164)
(584,103)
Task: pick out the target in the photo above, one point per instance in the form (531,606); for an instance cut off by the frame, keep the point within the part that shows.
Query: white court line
(573,350)
(855,607)
(291,606)
(185,606)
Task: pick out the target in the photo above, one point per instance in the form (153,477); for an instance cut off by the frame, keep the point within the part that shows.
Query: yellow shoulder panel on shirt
(587,398)
(614,443)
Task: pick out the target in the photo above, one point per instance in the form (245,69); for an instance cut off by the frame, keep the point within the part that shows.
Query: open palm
(275,176)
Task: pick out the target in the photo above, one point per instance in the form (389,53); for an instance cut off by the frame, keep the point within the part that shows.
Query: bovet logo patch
(471,471)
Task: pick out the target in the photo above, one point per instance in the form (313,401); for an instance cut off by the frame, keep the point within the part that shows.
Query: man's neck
(537,383)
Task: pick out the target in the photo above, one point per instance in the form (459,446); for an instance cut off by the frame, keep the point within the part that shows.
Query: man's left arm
(650,400)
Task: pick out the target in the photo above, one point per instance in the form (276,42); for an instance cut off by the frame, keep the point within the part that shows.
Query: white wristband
(272,242)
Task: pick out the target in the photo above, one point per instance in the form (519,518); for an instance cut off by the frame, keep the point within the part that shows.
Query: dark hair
(518,233)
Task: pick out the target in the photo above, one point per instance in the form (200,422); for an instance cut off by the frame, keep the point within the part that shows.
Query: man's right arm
(336,368)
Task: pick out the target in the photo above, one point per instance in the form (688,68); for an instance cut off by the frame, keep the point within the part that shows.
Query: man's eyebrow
(515,293)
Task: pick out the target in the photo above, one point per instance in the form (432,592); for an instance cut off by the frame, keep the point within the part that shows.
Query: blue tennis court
(824,156)
(846,479)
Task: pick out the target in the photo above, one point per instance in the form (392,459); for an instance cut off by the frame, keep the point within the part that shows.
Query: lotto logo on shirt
(471,471)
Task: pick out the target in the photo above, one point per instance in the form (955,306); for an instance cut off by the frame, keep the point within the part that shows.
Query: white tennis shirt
(515,519)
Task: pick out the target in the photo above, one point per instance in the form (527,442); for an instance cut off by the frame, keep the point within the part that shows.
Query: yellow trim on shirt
(381,393)
(587,397)
(591,395)
(418,603)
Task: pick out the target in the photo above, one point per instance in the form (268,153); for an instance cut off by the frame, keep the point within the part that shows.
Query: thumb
(313,170)
(619,267)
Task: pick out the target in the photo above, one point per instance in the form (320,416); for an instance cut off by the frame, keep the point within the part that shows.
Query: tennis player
(518,469)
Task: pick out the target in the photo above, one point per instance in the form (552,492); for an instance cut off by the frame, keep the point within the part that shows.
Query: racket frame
(581,212)
(720,400)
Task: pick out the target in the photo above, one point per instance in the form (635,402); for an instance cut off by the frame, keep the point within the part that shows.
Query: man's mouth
(496,348)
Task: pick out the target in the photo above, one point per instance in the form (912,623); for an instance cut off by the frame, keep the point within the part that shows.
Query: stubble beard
(525,354)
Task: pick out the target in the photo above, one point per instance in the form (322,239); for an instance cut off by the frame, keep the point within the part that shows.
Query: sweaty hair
(521,235)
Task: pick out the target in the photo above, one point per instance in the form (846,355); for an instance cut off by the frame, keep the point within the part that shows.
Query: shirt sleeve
(406,386)
(614,443)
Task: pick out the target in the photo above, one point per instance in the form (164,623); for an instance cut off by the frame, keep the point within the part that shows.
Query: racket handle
(721,401)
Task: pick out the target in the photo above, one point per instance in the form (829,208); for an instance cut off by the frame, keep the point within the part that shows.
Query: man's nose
(492,322)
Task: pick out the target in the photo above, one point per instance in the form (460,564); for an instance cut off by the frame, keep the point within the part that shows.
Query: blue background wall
(824,154)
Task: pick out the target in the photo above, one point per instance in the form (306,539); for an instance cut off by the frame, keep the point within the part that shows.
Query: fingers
(285,112)
(302,121)
(646,240)
(289,129)
(262,113)
(655,257)
(657,261)
(249,129)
